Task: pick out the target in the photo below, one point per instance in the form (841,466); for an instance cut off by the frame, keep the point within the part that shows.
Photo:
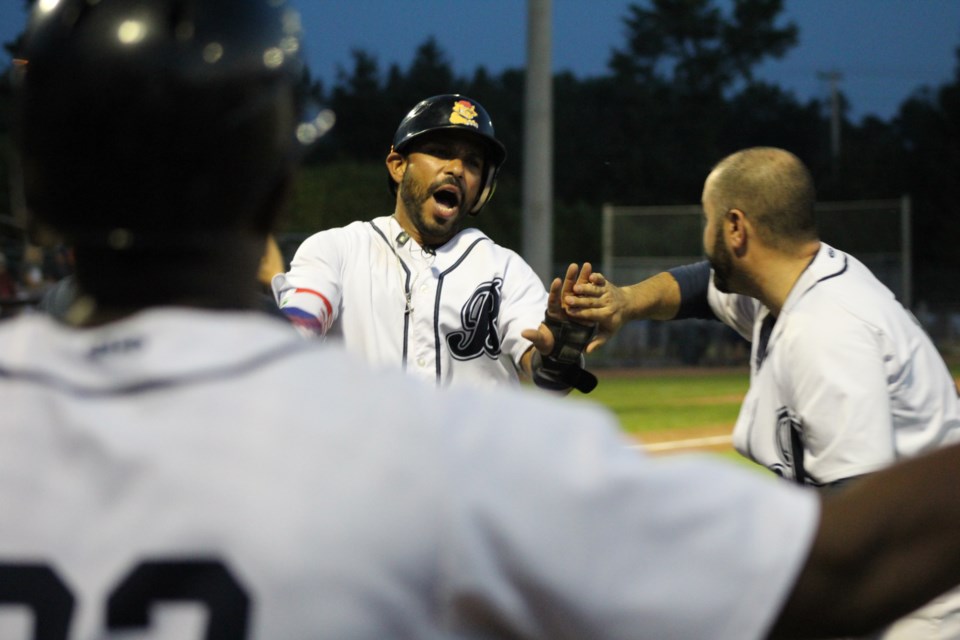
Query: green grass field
(681,400)
(689,399)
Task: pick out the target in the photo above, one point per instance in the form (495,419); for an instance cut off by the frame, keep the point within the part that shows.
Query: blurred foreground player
(159,476)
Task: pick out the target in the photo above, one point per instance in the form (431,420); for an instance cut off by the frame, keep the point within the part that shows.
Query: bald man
(843,380)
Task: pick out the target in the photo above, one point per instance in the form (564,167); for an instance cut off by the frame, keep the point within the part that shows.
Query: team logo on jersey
(480,318)
(788,423)
(464,112)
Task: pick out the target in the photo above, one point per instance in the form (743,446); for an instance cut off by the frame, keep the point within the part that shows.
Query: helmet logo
(464,112)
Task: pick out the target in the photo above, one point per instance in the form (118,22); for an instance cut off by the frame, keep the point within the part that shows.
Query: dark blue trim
(766,330)
(40,378)
(694,281)
(437,342)
(406,291)
(838,273)
(846,265)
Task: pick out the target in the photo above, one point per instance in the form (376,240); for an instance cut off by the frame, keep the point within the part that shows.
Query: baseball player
(843,380)
(158,480)
(418,290)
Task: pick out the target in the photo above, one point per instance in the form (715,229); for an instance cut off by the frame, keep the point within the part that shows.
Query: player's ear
(396,165)
(735,227)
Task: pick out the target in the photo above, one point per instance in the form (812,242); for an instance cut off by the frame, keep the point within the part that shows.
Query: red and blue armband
(308,310)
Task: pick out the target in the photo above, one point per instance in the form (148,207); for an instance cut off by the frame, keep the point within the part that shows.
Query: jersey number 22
(206,581)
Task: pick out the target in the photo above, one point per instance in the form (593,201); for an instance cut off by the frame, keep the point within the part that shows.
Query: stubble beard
(721,262)
(414,198)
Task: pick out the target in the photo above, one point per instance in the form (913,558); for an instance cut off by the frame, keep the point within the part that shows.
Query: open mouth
(448,198)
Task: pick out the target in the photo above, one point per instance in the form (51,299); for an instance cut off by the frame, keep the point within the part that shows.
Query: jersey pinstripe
(451,316)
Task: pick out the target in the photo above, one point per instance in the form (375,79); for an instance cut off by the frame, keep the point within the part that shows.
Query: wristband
(563,368)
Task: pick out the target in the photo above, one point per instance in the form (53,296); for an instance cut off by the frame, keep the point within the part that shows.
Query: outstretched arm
(308,310)
(541,337)
(885,546)
(592,298)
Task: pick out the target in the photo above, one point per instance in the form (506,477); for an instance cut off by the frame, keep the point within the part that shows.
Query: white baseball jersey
(207,475)
(848,375)
(450,317)
(848,383)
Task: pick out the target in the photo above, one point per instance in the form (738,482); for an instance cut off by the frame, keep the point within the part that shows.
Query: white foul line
(690,443)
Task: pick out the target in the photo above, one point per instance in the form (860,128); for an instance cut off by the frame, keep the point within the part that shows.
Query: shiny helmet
(455,112)
(151,121)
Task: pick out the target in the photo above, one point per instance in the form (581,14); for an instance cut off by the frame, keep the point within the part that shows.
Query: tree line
(679,93)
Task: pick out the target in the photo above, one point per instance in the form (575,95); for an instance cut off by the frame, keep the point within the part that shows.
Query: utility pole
(538,142)
(834,77)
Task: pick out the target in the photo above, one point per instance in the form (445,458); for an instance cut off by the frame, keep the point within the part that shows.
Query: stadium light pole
(834,77)
(537,186)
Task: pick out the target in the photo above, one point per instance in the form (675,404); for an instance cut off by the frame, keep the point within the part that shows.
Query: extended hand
(556,360)
(591,298)
(542,337)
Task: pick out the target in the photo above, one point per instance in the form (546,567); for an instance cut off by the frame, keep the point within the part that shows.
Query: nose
(454,166)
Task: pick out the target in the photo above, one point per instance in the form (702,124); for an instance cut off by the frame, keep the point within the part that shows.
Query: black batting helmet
(151,120)
(457,112)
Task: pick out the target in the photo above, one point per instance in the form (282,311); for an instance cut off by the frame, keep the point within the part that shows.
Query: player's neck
(116,284)
(413,232)
(408,231)
(781,275)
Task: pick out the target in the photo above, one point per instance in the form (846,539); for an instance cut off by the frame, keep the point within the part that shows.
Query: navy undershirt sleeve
(694,280)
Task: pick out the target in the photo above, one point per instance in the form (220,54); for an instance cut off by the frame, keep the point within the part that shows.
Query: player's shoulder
(821,317)
(469,236)
(836,284)
(857,298)
(519,423)
(347,237)
(834,274)
(826,323)
(348,401)
(477,243)
(357,228)
(23,330)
